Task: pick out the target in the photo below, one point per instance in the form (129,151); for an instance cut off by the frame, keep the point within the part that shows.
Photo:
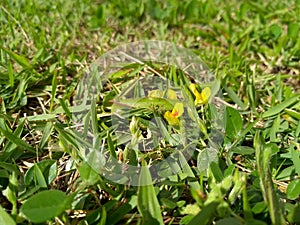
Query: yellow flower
(156,94)
(171,94)
(173,117)
(201,98)
(160,94)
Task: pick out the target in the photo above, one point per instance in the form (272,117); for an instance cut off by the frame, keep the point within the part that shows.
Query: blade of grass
(119,213)
(9,147)
(12,191)
(5,218)
(280,107)
(187,169)
(246,206)
(275,129)
(103,217)
(11,74)
(111,145)
(40,117)
(293,113)
(65,108)
(216,171)
(10,167)
(94,118)
(22,61)
(39,178)
(67,137)
(206,215)
(263,156)
(16,140)
(234,97)
(148,204)
(53,91)
(19,97)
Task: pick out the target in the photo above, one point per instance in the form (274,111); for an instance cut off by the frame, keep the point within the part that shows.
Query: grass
(251,177)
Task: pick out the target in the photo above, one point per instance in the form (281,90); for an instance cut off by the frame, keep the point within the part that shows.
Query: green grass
(253,47)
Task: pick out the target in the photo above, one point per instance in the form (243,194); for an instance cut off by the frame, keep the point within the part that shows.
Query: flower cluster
(172,117)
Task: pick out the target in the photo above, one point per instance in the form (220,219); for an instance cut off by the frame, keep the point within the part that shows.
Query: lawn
(146,142)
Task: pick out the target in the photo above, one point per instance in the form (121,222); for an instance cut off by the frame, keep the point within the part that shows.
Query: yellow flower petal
(205,94)
(171,94)
(156,94)
(200,98)
(178,109)
(173,117)
(193,88)
(172,120)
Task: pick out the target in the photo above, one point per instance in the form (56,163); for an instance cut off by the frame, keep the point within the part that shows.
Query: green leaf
(66,137)
(293,113)
(285,173)
(103,217)
(148,204)
(275,129)
(94,122)
(158,104)
(5,218)
(53,91)
(294,215)
(191,209)
(43,173)
(88,174)
(234,97)
(293,189)
(11,192)
(16,140)
(41,117)
(44,206)
(255,222)
(280,107)
(188,171)
(11,74)
(39,177)
(259,207)
(276,31)
(239,180)
(119,213)
(216,171)
(229,221)
(243,150)
(111,147)
(296,160)
(168,203)
(10,167)
(206,215)
(246,206)
(293,30)
(233,123)
(297,130)
(186,219)
(22,61)
(19,96)
(205,158)
(46,134)
(65,107)
(120,73)
(263,154)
